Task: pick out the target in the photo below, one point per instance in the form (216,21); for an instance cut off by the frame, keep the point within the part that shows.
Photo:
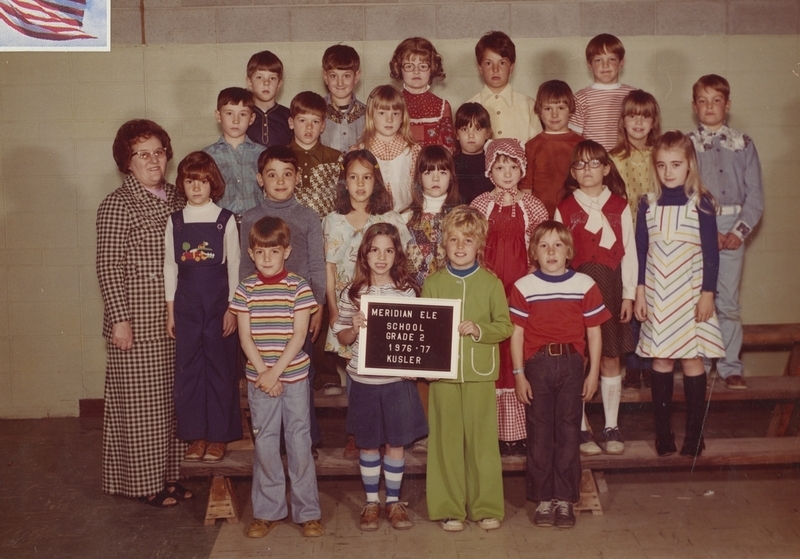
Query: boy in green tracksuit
(465,475)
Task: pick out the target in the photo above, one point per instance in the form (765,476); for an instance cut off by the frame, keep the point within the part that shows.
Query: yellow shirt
(637,172)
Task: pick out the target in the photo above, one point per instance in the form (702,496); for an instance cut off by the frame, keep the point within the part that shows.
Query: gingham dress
(140,450)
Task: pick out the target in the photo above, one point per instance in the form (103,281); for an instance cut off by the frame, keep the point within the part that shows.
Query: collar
(139,192)
(433,205)
(463,273)
(606,86)
(729,138)
(250,144)
(507,95)
(272,280)
(554,279)
(353,103)
(282,205)
(407,92)
(315,151)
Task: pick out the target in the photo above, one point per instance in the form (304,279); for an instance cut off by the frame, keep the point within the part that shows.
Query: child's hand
(589,387)
(731,241)
(469,328)
(315,324)
(640,305)
(333,315)
(705,307)
(626,313)
(277,390)
(171,325)
(228,324)
(267,379)
(359,321)
(720,241)
(523,389)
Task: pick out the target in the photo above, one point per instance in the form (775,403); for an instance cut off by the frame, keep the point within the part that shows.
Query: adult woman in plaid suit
(141,456)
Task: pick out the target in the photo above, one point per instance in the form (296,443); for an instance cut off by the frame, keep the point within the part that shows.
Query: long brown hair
(362,279)
(198,165)
(637,103)
(380,201)
(586,151)
(432,158)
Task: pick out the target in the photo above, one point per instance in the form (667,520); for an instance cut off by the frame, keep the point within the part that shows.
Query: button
(498,112)
(499,132)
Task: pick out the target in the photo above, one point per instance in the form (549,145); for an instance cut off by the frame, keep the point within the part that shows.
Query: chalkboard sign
(409,337)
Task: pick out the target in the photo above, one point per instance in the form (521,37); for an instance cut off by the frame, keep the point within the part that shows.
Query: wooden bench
(772,449)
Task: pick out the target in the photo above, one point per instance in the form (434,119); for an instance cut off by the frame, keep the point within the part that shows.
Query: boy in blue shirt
(345,115)
(264,79)
(235,154)
(731,171)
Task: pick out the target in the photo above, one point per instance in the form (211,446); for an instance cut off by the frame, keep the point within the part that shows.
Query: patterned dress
(673,282)
(140,450)
(431,119)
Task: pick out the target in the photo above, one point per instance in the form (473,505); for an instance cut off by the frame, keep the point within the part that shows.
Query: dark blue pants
(554,427)
(206,393)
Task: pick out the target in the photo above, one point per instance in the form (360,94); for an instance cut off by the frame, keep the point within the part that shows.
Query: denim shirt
(239,166)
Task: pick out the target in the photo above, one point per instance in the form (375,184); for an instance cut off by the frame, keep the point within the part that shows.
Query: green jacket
(483,301)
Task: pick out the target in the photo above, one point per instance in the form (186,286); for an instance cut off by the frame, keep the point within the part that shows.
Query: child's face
(360,183)
(495,70)
(506,172)
(672,167)
(198,191)
(637,128)
(555,117)
(307,128)
(416,73)
(435,183)
(269,260)
(551,254)
(591,175)
(380,259)
(387,122)
(472,139)
(461,250)
(711,107)
(340,84)
(278,180)
(235,119)
(265,86)
(605,68)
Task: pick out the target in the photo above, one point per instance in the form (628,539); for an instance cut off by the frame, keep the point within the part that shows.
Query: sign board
(409,337)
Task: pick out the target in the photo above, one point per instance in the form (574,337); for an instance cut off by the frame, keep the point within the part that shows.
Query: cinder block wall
(60,111)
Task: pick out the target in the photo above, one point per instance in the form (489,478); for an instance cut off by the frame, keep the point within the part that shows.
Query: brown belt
(556,350)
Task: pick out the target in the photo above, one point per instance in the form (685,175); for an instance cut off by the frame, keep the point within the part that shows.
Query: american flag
(53,20)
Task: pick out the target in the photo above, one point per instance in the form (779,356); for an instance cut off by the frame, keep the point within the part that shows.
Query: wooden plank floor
(638,454)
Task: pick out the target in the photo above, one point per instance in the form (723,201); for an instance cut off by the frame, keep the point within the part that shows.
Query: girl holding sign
(383,410)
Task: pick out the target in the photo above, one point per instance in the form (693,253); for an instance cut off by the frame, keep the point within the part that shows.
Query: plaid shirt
(239,166)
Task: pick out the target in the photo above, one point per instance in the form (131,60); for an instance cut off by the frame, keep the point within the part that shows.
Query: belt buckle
(560,348)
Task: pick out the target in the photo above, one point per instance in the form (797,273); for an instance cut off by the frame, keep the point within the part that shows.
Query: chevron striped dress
(673,282)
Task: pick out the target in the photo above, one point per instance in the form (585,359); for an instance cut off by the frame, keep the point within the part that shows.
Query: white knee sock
(584,423)
(611,389)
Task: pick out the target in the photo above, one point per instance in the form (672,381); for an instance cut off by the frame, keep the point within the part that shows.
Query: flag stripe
(54,20)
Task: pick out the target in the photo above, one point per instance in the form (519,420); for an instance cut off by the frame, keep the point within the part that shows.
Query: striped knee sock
(393,475)
(370,466)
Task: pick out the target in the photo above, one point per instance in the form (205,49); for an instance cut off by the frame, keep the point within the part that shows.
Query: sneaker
(369,517)
(331,389)
(588,446)
(736,382)
(397,514)
(313,529)
(452,525)
(632,379)
(506,448)
(565,515)
(214,452)
(614,443)
(545,514)
(489,523)
(420,446)
(519,448)
(351,451)
(195,451)
(259,528)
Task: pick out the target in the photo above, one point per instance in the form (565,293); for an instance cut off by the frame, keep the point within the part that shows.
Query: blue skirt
(385,414)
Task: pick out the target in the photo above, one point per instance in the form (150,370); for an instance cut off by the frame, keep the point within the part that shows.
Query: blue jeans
(727,305)
(554,427)
(269,482)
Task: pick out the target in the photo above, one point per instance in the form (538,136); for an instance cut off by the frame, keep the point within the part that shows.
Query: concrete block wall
(59,113)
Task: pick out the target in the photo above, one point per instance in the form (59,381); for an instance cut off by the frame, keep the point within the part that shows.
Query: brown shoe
(736,382)
(369,517)
(397,513)
(214,452)
(313,529)
(351,451)
(632,379)
(195,451)
(260,528)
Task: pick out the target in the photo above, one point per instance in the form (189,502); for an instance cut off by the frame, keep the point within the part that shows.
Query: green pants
(465,475)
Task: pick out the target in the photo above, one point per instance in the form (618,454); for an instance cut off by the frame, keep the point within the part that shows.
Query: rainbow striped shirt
(272,308)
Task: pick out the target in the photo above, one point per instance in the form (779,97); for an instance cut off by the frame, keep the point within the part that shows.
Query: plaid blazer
(130,258)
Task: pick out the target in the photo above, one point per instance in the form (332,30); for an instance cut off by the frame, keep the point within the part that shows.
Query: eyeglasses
(593,164)
(159,153)
(422,67)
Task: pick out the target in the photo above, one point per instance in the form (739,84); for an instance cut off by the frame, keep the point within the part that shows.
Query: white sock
(584,423)
(611,389)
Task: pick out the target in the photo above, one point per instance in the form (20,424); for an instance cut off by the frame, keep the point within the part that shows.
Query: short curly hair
(134,131)
(416,46)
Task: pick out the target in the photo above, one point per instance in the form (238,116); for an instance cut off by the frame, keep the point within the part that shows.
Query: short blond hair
(470,223)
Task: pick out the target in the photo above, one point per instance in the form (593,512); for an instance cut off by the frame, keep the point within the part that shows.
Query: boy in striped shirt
(598,106)
(273,307)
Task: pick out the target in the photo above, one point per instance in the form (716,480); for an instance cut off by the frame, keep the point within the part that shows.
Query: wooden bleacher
(773,448)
